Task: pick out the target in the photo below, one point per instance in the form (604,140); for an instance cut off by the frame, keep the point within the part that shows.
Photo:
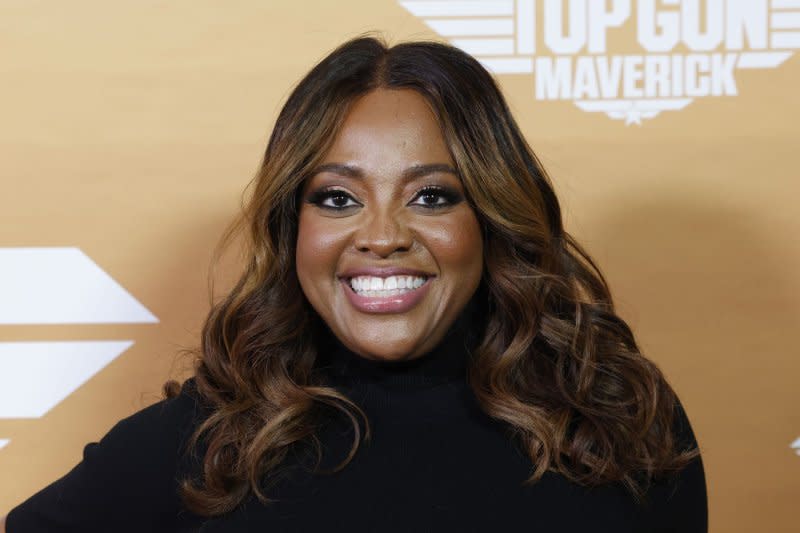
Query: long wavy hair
(554,363)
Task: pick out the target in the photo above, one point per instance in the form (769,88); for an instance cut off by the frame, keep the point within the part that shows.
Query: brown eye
(333,199)
(437,197)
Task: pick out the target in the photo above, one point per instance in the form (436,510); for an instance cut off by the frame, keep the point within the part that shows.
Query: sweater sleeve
(125,482)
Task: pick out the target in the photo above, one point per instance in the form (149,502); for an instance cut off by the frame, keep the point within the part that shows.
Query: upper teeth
(371,283)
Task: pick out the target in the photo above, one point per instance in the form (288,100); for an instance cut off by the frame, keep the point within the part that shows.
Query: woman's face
(385,211)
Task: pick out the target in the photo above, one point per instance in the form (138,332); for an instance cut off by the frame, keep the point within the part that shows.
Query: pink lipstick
(398,303)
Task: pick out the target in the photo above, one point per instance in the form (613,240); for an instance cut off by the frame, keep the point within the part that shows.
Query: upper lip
(382,272)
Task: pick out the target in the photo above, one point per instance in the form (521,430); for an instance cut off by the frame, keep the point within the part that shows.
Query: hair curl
(555,363)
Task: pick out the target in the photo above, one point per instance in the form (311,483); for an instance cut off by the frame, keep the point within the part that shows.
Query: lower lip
(399,303)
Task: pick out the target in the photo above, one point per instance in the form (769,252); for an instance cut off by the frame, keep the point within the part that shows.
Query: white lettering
(633,74)
(553,83)
(677,75)
(600,20)
(746,16)
(657,32)
(585,78)
(609,76)
(722,80)
(656,76)
(575,39)
(636,76)
(696,85)
(690,22)
(711,31)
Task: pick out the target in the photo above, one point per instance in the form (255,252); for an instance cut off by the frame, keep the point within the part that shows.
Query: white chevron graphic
(501,34)
(58,285)
(3,442)
(36,376)
(62,286)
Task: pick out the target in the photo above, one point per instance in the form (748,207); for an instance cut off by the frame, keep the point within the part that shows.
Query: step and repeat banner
(670,129)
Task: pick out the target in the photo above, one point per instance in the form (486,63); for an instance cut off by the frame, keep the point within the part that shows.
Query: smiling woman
(415,343)
(386,208)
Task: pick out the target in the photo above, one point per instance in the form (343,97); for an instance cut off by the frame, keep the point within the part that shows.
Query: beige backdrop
(130,128)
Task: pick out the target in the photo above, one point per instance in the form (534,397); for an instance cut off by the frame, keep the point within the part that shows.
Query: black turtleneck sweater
(436,462)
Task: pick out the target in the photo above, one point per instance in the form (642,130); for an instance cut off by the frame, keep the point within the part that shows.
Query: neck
(446,362)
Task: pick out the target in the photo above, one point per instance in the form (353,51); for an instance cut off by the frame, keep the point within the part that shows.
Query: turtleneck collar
(446,362)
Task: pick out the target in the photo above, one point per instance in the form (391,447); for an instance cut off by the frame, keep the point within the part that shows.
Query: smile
(389,286)
(392,294)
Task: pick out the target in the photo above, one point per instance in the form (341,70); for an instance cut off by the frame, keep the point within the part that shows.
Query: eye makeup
(322,195)
(450,195)
(327,198)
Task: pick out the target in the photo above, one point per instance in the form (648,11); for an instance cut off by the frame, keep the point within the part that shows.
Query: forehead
(388,126)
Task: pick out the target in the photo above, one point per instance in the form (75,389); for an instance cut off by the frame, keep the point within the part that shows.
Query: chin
(383,355)
(384,352)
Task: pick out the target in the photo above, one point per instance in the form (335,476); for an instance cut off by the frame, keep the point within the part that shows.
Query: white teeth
(382,287)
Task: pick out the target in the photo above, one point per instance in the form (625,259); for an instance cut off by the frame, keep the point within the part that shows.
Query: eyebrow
(412,172)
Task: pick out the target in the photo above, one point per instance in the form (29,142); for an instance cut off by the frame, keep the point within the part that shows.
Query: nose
(383,233)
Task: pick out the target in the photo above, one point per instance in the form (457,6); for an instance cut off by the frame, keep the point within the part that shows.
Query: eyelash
(318,197)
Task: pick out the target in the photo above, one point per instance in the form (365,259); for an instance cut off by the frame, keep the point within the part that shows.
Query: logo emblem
(56,286)
(684,49)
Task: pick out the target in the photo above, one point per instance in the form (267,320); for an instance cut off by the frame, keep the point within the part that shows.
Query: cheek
(311,250)
(458,245)
(319,247)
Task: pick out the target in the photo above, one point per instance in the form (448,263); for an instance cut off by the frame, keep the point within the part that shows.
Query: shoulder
(154,439)
(161,420)
(680,499)
(682,426)
(150,441)
(127,477)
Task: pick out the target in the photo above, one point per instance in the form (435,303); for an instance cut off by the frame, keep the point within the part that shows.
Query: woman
(415,344)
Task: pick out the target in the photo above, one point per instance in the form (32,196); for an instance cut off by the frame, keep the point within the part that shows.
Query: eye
(333,199)
(430,197)
(435,197)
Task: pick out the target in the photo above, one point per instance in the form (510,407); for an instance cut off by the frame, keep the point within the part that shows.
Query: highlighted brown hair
(554,362)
